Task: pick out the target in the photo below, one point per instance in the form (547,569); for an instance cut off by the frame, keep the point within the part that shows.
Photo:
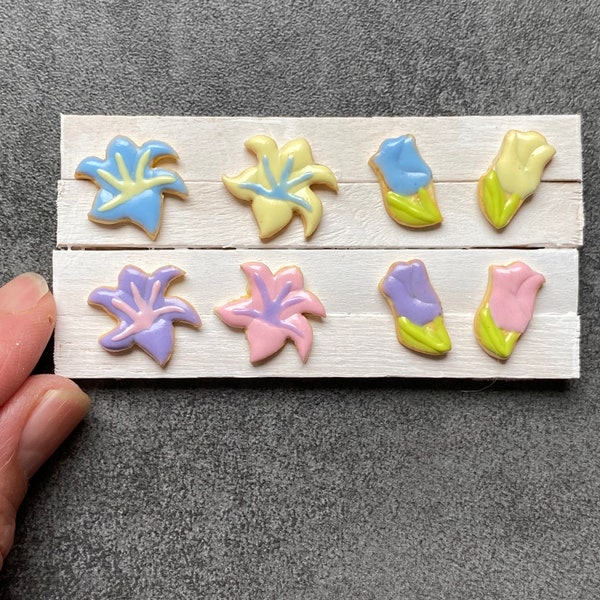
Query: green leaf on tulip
(499,207)
(419,210)
(497,342)
(431,338)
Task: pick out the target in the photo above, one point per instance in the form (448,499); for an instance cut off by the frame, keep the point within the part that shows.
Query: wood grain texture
(356,339)
(354,218)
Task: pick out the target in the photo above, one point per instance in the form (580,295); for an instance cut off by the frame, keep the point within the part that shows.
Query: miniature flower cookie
(144,315)
(131,187)
(514,175)
(280,185)
(406,183)
(416,307)
(507,307)
(273,311)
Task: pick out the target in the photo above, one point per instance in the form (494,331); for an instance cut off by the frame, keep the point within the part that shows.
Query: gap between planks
(355,218)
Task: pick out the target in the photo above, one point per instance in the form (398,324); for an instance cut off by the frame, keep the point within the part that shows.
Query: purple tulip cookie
(416,307)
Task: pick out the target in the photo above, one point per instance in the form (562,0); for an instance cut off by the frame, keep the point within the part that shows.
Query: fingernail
(52,420)
(22,293)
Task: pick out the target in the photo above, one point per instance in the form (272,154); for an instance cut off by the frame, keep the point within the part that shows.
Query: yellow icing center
(129,187)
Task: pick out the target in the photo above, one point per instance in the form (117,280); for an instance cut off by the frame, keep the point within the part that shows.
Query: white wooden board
(458,149)
(357,338)
(210,234)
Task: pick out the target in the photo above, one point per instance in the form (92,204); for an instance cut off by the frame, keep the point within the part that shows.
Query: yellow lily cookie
(280,185)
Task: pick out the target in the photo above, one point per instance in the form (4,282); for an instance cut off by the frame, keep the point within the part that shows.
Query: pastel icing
(131,188)
(507,307)
(144,315)
(514,175)
(273,311)
(406,183)
(280,185)
(416,308)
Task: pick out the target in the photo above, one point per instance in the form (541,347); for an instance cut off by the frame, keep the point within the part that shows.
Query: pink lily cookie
(273,311)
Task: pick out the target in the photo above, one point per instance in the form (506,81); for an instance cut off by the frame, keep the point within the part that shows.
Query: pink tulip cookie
(273,311)
(144,314)
(507,307)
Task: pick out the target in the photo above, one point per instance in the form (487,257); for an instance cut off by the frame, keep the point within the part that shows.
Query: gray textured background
(274,489)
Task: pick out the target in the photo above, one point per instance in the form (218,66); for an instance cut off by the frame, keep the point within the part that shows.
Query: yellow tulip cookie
(280,185)
(514,175)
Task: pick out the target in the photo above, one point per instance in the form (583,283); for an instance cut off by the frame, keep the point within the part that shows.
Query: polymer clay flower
(507,307)
(273,311)
(144,315)
(406,183)
(514,175)
(131,187)
(416,307)
(280,185)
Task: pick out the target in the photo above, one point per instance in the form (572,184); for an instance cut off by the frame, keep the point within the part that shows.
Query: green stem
(499,207)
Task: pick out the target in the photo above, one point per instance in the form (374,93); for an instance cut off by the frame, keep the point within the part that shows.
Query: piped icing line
(273,311)
(280,185)
(143,313)
(416,308)
(507,307)
(513,176)
(131,187)
(406,183)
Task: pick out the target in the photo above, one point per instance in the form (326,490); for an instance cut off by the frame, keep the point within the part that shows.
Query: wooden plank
(352,249)
(456,148)
(354,218)
(356,339)
(334,353)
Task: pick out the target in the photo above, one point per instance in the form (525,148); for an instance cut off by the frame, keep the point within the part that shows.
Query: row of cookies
(275,306)
(132,186)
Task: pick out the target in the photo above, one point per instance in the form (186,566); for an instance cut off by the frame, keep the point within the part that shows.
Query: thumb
(27,315)
(33,423)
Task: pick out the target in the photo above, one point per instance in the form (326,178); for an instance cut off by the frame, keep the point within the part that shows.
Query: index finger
(27,316)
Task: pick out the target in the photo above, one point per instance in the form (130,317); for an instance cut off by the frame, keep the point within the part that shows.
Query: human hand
(36,412)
